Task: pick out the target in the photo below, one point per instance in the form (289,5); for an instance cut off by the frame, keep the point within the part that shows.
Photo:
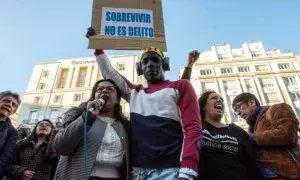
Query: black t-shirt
(226,153)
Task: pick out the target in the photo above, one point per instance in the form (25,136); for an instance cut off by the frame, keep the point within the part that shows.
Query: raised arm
(109,72)
(187,73)
(192,127)
(193,57)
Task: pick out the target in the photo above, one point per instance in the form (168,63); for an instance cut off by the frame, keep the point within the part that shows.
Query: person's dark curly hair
(202,102)
(245,98)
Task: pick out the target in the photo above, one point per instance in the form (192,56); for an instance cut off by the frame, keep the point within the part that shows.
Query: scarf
(252,119)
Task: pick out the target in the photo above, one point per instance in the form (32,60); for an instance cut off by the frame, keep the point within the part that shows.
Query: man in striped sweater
(164,117)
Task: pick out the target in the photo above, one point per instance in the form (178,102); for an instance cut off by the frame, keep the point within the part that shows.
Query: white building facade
(272,76)
(55,87)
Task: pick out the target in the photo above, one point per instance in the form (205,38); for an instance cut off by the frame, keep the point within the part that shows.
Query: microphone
(103,100)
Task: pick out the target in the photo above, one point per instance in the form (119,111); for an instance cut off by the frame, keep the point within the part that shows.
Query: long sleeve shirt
(165,121)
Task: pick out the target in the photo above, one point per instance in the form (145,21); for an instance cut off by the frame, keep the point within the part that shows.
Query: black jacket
(40,159)
(8,138)
(227,153)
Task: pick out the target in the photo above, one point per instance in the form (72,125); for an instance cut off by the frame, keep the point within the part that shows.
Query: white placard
(127,22)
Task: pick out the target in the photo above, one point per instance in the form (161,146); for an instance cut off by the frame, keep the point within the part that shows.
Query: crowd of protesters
(171,134)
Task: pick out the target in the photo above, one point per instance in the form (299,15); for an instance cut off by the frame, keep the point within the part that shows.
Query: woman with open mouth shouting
(34,155)
(226,150)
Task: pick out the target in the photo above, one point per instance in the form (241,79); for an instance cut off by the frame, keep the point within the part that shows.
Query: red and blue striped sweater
(165,121)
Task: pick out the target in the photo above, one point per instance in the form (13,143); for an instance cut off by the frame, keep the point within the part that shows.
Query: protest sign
(127,25)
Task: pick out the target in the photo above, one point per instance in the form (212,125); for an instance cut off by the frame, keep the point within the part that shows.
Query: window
(89,81)
(247,82)
(41,86)
(261,68)
(121,67)
(33,117)
(77,97)
(244,69)
(297,112)
(45,73)
(208,86)
(37,100)
(81,76)
(230,85)
(226,70)
(223,56)
(289,81)
(284,66)
(57,99)
(266,82)
(272,97)
(248,85)
(234,117)
(256,54)
(63,78)
(53,115)
(295,96)
(205,72)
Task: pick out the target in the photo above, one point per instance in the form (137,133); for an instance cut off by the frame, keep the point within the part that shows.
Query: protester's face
(8,105)
(24,132)
(43,128)
(214,107)
(152,67)
(245,110)
(107,88)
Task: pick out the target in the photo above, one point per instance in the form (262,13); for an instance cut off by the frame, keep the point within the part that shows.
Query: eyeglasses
(107,88)
(44,124)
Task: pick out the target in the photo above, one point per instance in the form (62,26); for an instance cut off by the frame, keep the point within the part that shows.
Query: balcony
(269,89)
(232,92)
(294,88)
(297,104)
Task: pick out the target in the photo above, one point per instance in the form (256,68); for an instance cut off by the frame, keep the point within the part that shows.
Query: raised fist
(193,57)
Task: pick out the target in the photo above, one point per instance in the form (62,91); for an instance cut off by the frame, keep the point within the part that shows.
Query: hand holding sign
(127,25)
(90,32)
